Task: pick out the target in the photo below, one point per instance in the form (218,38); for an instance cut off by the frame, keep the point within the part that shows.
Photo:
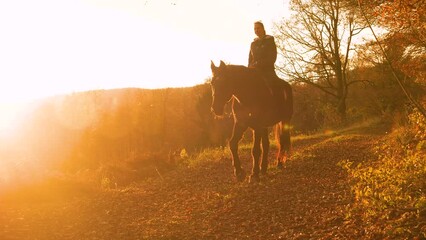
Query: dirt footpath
(306,200)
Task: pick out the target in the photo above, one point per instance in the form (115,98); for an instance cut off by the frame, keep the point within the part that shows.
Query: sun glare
(9,119)
(47,51)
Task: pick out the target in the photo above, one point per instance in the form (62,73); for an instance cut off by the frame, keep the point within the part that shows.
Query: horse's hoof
(280,166)
(240,175)
(263,171)
(254,179)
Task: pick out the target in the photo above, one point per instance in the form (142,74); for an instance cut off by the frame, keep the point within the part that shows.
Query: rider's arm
(270,54)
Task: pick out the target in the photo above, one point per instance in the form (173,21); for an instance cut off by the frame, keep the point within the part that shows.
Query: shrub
(390,194)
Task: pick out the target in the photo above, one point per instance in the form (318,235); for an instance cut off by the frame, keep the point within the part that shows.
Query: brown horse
(257,106)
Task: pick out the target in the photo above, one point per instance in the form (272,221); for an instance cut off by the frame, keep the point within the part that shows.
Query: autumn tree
(405,21)
(316,43)
(400,16)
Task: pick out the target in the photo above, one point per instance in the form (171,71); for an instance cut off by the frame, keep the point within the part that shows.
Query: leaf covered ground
(309,199)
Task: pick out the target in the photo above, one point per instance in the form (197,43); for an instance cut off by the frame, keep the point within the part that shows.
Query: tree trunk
(341,109)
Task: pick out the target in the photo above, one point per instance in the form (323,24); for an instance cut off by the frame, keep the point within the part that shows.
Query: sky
(54,47)
(50,47)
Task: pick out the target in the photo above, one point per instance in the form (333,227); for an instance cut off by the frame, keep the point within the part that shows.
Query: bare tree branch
(316,44)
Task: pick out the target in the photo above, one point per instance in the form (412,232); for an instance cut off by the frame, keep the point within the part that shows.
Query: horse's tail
(282,135)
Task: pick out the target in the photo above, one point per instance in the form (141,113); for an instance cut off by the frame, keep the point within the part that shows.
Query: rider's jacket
(263,53)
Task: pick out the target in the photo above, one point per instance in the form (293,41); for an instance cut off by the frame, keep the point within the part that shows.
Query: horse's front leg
(237,134)
(255,152)
(265,150)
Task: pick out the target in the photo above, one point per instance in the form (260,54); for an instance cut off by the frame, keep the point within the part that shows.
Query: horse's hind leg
(255,153)
(237,134)
(265,151)
(284,144)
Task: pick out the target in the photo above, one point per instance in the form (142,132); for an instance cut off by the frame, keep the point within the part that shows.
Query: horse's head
(221,88)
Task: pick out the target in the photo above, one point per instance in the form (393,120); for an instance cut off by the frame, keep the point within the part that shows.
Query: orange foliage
(406,21)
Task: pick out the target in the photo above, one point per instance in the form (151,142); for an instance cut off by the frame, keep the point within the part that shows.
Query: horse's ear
(222,64)
(212,66)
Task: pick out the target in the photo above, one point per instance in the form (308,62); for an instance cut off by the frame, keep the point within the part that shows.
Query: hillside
(201,200)
(87,131)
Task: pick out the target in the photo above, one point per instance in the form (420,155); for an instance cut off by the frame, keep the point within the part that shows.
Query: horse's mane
(239,68)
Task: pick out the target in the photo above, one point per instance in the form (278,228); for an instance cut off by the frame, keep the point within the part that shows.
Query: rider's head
(259,29)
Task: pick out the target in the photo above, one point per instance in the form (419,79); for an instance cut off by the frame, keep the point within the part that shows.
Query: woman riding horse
(260,99)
